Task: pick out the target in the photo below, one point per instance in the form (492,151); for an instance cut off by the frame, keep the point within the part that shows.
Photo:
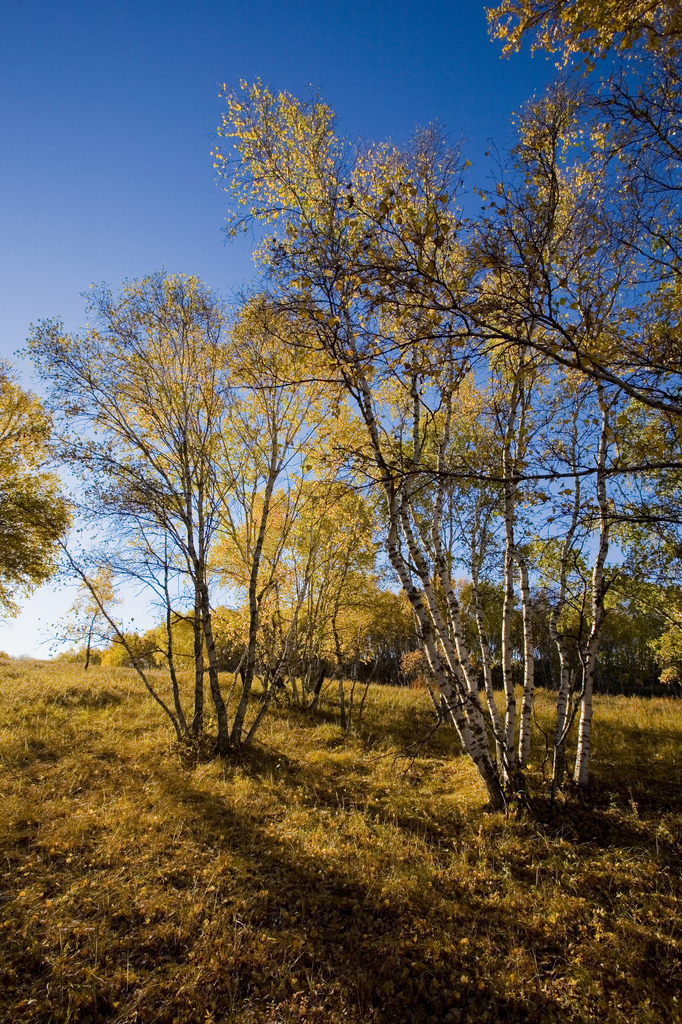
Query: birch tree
(321,239)
(410,303)
(270,443)
(597,595)
(141,399)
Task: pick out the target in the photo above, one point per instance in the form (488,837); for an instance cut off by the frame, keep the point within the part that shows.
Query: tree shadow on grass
(346,785)
(417,957)
(407,725)
(243,918)
(640,767)
(341,949)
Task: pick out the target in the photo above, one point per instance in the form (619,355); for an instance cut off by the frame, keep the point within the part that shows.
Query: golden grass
(321,880)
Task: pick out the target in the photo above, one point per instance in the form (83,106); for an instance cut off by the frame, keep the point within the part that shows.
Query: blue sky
(107,115)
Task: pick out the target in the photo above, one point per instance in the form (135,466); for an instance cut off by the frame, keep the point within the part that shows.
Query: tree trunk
(88,648)
(281,661)
(261,711)
(510,489)
(339,669)
(250,663)
(507,677)
(582,758)
(198,717)
(582,755)
(223,739)
(342,703)
(528,665)
(473,735)
(562,712)
(171,664)
(484,645)
(474,739)
(318,686)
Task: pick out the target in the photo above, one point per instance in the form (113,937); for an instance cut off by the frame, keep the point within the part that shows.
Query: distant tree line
(628,663)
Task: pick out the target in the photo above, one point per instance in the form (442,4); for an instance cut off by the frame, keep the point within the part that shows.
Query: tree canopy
(584,27)
(34,514)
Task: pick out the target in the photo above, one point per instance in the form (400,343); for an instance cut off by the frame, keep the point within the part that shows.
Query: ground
(322,878)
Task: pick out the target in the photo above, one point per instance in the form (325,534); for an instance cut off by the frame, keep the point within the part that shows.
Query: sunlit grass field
(322,878)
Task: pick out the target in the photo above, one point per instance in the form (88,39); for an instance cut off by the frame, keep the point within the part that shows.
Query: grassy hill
(325,880)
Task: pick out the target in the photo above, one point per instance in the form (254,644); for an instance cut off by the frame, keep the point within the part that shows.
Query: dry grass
(321,880)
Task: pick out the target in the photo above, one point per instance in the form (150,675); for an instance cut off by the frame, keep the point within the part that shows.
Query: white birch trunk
(448,653)
(582,759)
(528,664)
(484,645)
(448,677)
(563,711)
(483,641)
(562,716)
(470,727)
(509,696)
(508,606)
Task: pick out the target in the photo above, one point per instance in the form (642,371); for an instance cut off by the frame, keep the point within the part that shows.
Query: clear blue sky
(106,120)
